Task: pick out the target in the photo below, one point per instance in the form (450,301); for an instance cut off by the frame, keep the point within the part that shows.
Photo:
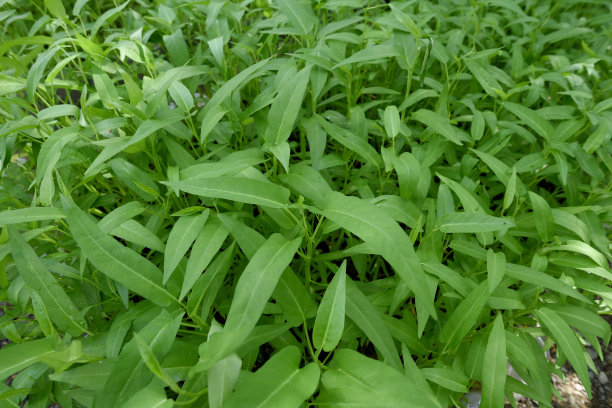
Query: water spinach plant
(297,203)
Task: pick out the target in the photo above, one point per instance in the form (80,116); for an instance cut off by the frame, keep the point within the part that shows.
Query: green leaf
(60,307)
(582,249)
(31,214)
(356,380)
(286,106)
(447,378)
(584,320)
(90,376)
(181,96)
(258,281)
(150,126)
(392,121)
(153,363)
(440,125)
(471,222)
(57,111)
(418,376)
(16,357)
(486,80)
(130,373)
(329,324)
(206,245)
(543,217)
(113,259)
(299,15)
(567,342)
(213,112)
(222,378)
(530,275)
(494,372)
(464,316)
(238,189)
(107,15)
(208,285)
(510,190)
(385,236)
(134,232)
(254,288)
(104,86)
(294,299)
(56,7)
(496,268)
(360,310)
(531,119)
(279,383)
(120,215)
(352,142)
(372,53)
(184,232)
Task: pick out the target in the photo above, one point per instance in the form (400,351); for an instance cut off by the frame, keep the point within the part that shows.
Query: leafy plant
(285,203)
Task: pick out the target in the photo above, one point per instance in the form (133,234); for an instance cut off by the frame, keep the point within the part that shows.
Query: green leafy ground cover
(291,203)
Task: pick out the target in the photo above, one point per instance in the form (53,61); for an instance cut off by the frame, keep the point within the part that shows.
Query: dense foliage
(289,203)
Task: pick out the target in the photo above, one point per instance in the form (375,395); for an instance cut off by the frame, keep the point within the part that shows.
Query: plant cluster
(296,203)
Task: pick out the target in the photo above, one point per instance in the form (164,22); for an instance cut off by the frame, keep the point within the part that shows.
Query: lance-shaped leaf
(30,214)
(496,268)
(441,125)
(258,281)
(373,225)
(184,232)
(120,215)
(130,373)
(16,357)
(242,190)
(115,260)
(447,378)
(586,321)
(253,290)
(355,380)
(37,70)
(368,319)
(392,121)
(531,119)
(290,293)
(222,378)
(285,108)
(60,308)
(465,315)
(372,53)
(299,15)
(471,222)
(568,343)
(543,217)
(205,247)
(279,383)
(352,142)
(494,371)
(294,299)
(212,112)
(329,324)
(541,279)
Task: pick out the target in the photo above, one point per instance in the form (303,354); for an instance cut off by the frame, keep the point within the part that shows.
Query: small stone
(572,401)
(603,378)
(593,354)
